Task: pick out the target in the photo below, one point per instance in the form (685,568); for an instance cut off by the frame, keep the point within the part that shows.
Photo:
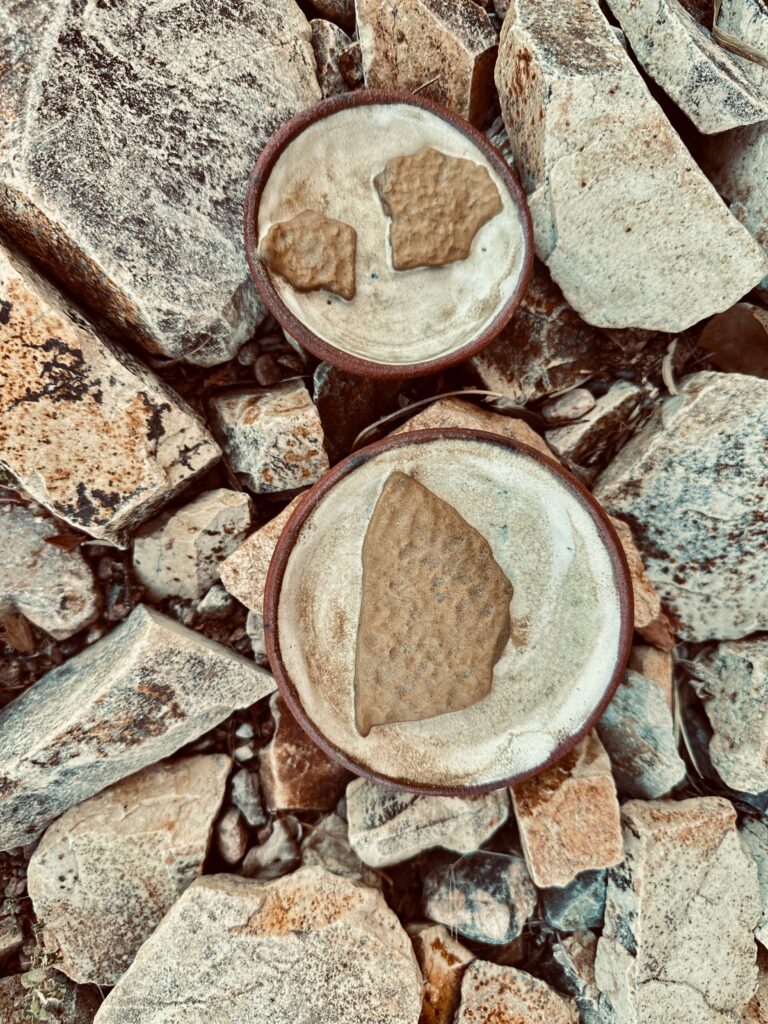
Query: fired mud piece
(313,252)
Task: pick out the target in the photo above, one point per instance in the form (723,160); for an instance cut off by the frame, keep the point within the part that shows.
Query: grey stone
(133,697)
(279,853)
(254,627)
(128,136)
(328,43)
(574,963)
(340,11)
(442,960)
(326,843)
(754,839)
(584,442)
(571,406)
(11,937)
(246,796)
(216,603)
(231,836)
(53,994)
(578,906)
(692,495)
(742,27)
(491,994)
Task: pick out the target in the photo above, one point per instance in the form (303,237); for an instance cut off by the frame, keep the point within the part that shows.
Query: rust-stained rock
(329,42)
(77,1005)
(756,1011)
(312,251)
(656,665)
(437,204)
(586,441)
(442,960)
(434,613)
(491,994)
(651,621)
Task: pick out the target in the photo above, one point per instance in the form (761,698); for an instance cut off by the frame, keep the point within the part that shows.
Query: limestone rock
(76,1005)
(578,906)
(312,251)
(133,697)
(51,586)
(610,183)
(656,665)
(244,572)
(692,495)
(231,836)
(574,963)
(387,826)
(106,872)
(650,619)
(584,442)
(273,439)
(87,431)
(754,839)
(246,796)
(442,960)
(327,844)
(118,193)
(445,49)
(278,855)
(504,995)
(347,404)
(329,42)
(568,816)
(677,942)
(343,957)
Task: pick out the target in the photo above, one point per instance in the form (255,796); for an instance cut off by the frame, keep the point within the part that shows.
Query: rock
(351,65)
(692,497)
(340,11)
(273,439)
(445,51)
(504,995)
(343,957)
(757,1008)
(327,844)
(107,871)
(677,942)
(742,27)
(737,340)
(117,194)
(656,665)
(133,697)
(568,816)
(19,998)
(585,442)
(442,960)
(295,773)
(638,732)
(86,430)
(571,406)
(329,42)
(578,906)
(244,572)
(217,603)
(312,252)
(574,964)
(11,937)
(347,404)
(178,554)
(231,836)
(610,183)
(279,853)
(732,680)
(753,834)
(50,585)
(254,627)
(707,83)
(246,796)
(484,896)
(650,619)
(387,826)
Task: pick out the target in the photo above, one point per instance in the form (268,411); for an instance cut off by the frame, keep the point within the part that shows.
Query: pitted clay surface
(312,251)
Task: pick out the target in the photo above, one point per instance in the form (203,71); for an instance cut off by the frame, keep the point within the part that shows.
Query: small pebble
(570,406)
(266,370)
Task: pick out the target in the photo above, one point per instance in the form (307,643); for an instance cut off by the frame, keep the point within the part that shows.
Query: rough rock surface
(754,839)
(445,49)
(329,42)
(491,994)
(442,960)
(327,844)
(578,906)
(757,1008)
(692,496)
(742,27)
(117,192)
(677,942)
(351,65)
(568,816)
(347,404)
(571,406)
(87,431)
(278,855)
(106,872)
(610,183)
(273,439)
(214,957)
(231,836)
(135,696)
(244,572)
(656,665)
(340,11)
(650,620)
(584,442)
(246,796)
(312,251)
(78,1005)
(574,963)
(387,826)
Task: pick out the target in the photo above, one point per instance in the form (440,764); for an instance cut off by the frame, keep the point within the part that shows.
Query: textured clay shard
(434,616)
(312,251)
(437,203)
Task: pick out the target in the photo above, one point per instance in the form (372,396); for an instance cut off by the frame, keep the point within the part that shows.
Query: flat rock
(328,43)
(677,942)
(387,826)
(568,816)
(650,619)
(610,183)
(133,697)
(326,844)
(573,957)
(107,871)
(442,960)
(296,949)
(578,906)
(77,1005)
(692,496)
(85,429)
(504,995)
(754,839)
(50,585)
(656,665)
(445,49)
(313,252)
(117,194)
(272,439)
(584,443)
(347,404)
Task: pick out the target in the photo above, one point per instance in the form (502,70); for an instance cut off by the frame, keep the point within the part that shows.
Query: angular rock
(443,50)
(484,896)
(329,42)
(491,994)
(254,627)
(347,404)
(87,431)
(351,65)
(278,855)
(574,964)
(231,836)
(578,906)
(584,443)
(117,193)
(246,796)
(327,844)
(753,834)
(68,1002)
(133,697)
(742,27)
(677,942)
(273,439)
(244,572)
(387,826)
(656,665)
(638,732)
(312,252)
(107,871)
(442,960)
(217,603)
(757,1008)
(650,619)
(692,496)
(610,183)
(343,957)
(52,586)
(568,816)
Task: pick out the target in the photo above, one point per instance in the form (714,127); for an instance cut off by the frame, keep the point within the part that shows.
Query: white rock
(278,854)
(216,603)
(491,994)
(570,406)
(135,696)
(574,960)
(742,27)
(246,796)
(754,839)
(311,947)
(231,836)
(586,440)
(106,872)
(244,572)
(326,844)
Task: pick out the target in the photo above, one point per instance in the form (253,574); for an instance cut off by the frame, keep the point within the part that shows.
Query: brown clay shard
(437,203)
(312,251)
(434,615)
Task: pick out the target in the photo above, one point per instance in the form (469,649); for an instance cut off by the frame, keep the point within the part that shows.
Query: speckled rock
(585,442)
(246,796)
(610,183)
(568,816)
(656,665)
(754,839)
(215,957)
(86,430)
(50,585)
(77,1005)
(442,960)
(326,844)
(329,42)
(445,49)
(347,404)
(387,826)
(135,696)
(650,619)
(278,855)
(106,872)
(677,943)
(491,994)
(578,906)
(231,836)
(351,65)
(692,495)
(117,193)
(272,439)
(573,959)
